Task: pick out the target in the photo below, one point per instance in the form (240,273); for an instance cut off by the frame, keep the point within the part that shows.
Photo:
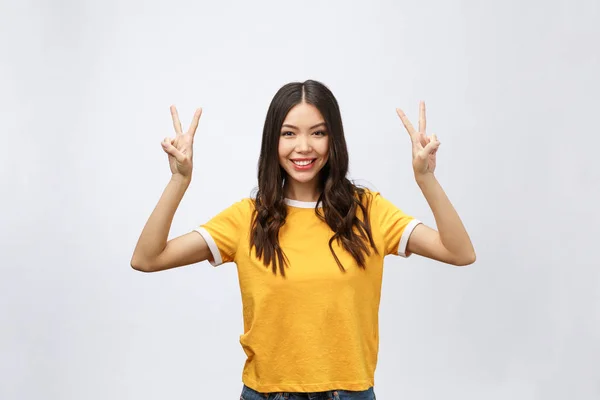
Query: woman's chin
(302,177)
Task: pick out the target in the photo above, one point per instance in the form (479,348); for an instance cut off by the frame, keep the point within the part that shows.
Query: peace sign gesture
(424,148)
(180,149)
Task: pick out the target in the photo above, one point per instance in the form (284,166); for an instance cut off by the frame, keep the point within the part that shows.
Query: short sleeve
(223,232)
(396,227)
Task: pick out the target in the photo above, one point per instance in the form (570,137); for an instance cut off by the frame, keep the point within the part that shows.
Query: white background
(512,92)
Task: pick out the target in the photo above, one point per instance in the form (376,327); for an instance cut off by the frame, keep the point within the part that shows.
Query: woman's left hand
(424,148)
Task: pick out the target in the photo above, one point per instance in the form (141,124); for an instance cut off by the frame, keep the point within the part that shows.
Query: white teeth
(302,163)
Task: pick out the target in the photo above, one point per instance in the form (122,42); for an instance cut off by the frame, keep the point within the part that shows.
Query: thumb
(432,146)
(172,150)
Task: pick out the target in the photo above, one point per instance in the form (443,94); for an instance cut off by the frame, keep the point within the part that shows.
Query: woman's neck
(301,191)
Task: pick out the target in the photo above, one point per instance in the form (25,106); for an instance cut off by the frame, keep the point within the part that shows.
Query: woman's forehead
(303,116)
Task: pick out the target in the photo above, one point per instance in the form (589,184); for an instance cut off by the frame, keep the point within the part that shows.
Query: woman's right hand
(180,149)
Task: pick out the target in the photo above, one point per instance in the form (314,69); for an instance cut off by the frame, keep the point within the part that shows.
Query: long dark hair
(340,198)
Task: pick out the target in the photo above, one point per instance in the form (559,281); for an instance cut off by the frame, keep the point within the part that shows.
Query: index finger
(195,120)
(176,122)
(406,122)
(422,119)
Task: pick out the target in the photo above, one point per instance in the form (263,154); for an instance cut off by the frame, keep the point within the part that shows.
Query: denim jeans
(251,394)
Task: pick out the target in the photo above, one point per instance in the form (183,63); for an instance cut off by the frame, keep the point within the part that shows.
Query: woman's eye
(287,133)
(320,133)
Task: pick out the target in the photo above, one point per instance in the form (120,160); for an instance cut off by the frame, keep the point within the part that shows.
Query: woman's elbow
(140,265)
(465,260)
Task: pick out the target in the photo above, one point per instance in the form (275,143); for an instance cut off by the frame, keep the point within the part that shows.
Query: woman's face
(303,143)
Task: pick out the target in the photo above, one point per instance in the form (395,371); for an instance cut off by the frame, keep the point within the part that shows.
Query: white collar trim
(300,204)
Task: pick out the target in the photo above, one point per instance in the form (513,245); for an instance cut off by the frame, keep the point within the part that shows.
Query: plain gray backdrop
(511,89)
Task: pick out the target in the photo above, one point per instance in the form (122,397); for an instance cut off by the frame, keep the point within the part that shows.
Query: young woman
(309,247)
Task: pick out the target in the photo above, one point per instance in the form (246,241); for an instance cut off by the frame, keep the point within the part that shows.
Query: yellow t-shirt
(317,328)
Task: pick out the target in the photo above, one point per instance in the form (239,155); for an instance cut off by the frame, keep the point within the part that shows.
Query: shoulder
(367,196)
(240,209)
(246,202)
(244,206)
(377,204)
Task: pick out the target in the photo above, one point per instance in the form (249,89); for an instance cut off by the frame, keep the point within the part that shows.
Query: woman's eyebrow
(295,127)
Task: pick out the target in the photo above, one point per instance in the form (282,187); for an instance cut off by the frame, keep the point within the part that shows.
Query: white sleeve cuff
(214,249)
(405,235)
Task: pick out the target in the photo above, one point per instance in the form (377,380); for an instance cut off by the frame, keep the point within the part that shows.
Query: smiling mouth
(303,163)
